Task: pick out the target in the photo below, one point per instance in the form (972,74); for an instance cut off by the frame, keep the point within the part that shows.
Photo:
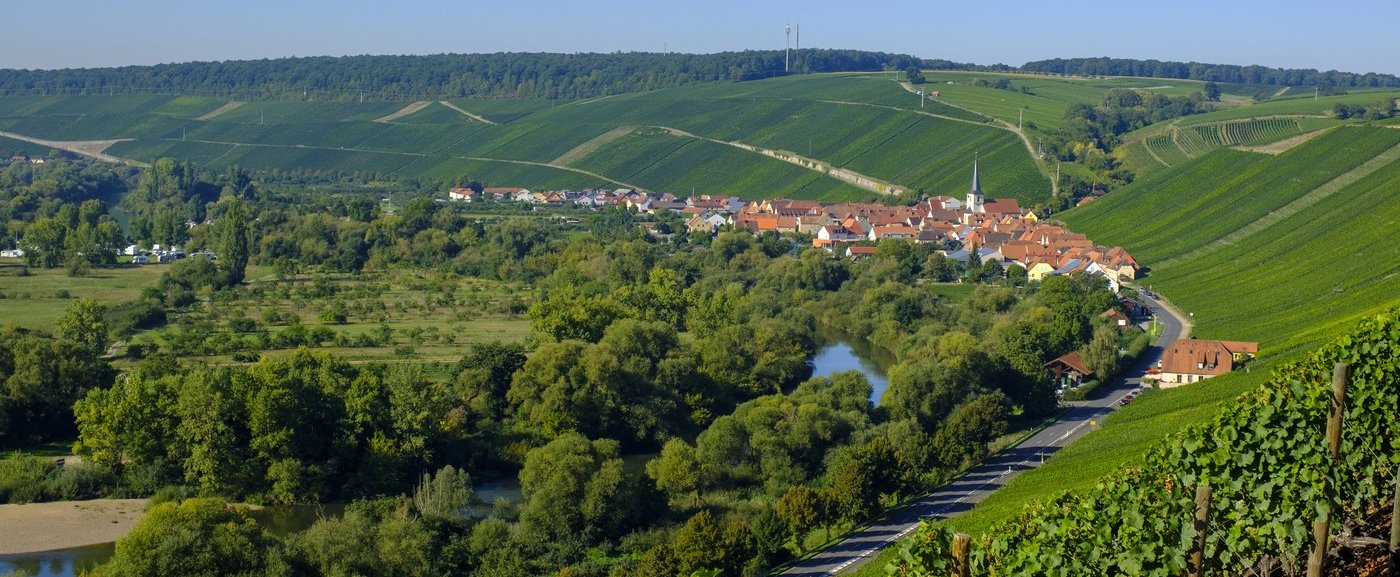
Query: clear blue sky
(1350,35)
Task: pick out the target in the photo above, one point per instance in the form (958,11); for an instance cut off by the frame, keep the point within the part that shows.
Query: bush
(81,481)
(29,479)
(23,478)
(1083,391)
(1137,345)
(127,318)
(171,494)
(61,294)
(246,357)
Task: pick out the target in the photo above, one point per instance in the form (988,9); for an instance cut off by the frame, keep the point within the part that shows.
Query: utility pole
(921,99)
(787,47)
(1020,117)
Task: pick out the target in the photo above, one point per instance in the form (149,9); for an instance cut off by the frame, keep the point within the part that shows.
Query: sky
(1348,35)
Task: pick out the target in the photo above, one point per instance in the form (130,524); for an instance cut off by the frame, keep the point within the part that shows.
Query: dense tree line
(499,75)
(1210,72)
(1379,111)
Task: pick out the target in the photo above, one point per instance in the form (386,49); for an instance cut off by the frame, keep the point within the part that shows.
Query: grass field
(35,301)
(430,317)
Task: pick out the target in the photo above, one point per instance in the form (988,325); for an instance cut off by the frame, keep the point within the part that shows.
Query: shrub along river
(839,353)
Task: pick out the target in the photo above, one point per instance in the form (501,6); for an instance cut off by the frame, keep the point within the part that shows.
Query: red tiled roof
(1197,357)
(1070,361)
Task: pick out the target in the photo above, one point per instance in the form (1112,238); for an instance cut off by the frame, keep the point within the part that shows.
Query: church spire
(975,201)
(976,182)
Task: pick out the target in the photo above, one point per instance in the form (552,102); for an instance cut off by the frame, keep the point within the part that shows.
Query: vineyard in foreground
(1267,463)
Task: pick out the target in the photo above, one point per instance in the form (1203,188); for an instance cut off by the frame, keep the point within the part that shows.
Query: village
(990,230)
(996,230)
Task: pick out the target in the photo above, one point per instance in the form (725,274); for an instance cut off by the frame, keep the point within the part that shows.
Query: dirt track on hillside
(89,148)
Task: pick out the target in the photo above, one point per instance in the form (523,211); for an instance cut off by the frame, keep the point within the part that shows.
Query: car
(929,517)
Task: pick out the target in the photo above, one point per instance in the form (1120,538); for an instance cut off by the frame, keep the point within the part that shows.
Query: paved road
(957,497)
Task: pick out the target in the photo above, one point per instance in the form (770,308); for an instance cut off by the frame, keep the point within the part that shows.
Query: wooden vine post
(1317,560)
(962,545)
(1395,529)
(1195,562)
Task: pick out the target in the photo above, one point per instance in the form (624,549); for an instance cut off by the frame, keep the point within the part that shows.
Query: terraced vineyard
(1158,148)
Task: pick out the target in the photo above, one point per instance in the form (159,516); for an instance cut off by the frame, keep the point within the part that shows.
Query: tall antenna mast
(787,46)
(799,35)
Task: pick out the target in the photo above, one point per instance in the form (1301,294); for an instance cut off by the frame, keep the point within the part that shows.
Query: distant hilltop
(500,75)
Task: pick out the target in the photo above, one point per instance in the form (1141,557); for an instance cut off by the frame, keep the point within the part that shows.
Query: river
(845,353)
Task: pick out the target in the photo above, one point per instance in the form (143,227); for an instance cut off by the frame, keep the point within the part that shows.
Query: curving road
(962,494)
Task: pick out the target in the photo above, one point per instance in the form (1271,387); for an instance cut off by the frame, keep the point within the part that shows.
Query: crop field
(1262,91)
(198,152)
(880,89)
(436,114)
(179,106)
(426,139)
(9,147)
(504,111)
(1294,106)
(699,165)
(1306,255)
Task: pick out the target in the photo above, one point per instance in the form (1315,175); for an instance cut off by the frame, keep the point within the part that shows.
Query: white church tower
(975,200)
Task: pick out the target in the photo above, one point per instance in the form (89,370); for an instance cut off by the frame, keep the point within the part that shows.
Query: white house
(132,250)
(461,194)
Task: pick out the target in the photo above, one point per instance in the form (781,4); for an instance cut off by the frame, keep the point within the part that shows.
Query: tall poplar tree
(235,243)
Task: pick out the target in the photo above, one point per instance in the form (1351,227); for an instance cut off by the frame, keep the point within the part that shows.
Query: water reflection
(842,353)
(281,520)
(62,563)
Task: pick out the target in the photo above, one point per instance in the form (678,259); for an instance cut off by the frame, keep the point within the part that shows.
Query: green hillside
(1288,250)
(707,138)
(1284,249)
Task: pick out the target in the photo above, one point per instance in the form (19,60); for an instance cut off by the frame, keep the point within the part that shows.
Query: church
(978,207)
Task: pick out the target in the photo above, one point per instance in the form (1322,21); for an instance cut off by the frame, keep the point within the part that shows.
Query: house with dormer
(1194,360)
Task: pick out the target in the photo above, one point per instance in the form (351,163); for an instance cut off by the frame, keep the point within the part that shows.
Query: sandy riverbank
(64,524)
